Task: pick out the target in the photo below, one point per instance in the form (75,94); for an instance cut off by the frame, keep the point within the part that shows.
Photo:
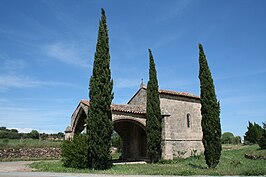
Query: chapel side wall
(179,140)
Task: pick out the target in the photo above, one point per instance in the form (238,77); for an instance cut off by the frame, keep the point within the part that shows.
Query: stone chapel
(181,124)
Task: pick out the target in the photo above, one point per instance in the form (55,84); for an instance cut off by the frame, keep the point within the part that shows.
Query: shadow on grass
(198,166)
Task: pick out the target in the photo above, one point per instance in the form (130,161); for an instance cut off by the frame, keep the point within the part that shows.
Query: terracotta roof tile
(135,109)
(184,94)
(170,92)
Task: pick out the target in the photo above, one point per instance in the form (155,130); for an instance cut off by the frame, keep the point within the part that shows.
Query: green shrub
(227,138)
(116,141)
(237,140)
(262,142)
(75,152)
(34,134)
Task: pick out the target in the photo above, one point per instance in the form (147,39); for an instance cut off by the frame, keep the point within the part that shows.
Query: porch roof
(135,109)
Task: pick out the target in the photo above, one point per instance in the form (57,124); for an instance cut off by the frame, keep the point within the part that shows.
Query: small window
(188,120)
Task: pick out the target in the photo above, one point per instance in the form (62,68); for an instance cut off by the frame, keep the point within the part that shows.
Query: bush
(227,138)
(34,134)
(75,152)
(116,141)
(262,142)
(9,134)
(237,140)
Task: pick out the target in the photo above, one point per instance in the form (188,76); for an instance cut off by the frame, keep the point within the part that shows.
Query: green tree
(99,121)
(153,113)
(34,134)
(3,128)
(116,141)
(237,140)
(262,141)
(227,138)
(14,130)
(253,133)
(210,111)
(60,135)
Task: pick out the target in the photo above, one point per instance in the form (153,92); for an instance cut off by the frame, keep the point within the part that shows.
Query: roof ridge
(135,109)
(171,92)
(178,93)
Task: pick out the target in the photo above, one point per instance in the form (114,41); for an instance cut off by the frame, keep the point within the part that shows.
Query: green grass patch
(232,162)
(115,155)
(28,143)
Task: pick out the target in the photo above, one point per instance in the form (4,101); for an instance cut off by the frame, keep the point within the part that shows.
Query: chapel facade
(181,124)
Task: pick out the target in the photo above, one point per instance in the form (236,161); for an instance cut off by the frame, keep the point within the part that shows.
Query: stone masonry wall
(51,153)
(139,98)
(179,139)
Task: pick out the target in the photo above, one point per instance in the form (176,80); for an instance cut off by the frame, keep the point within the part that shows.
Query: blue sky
(47,50)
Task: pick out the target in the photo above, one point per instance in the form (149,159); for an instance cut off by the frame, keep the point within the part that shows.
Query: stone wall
(179,138)
(139,98)
(49,153)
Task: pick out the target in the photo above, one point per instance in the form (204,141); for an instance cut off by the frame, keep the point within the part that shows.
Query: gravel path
(17,166)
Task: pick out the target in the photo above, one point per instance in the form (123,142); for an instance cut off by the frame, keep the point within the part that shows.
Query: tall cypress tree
(99,121)
(153,113)
(253,133)
(210,111)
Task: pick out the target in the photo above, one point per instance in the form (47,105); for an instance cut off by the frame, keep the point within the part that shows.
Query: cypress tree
(254,133)
(210,111)
(153,113)
(99,121)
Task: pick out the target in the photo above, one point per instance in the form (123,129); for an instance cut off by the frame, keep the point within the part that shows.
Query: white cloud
(17,81)
(126,83)
(7,81)
(243,99)
(42,119)
(11,65)
(241,75)
(69,54)
(177,9)
(28,130)
(3,101)
(22,130)
(166,39)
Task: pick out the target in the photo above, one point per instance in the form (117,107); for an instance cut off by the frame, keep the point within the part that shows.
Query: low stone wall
(49,153)
(254,157)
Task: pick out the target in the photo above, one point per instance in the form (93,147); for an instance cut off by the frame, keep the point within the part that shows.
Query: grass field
(27,143)
(232,163)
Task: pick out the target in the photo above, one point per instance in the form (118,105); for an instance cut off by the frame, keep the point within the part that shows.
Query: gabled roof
(135,109)
(168,92)
(184,94)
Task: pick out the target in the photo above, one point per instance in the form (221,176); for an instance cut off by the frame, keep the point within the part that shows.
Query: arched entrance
(134,139)
(129,122)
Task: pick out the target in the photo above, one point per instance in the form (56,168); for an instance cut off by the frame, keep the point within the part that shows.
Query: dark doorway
(134,139)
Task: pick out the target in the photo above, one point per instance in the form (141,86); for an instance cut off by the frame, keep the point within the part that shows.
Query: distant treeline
(34,134)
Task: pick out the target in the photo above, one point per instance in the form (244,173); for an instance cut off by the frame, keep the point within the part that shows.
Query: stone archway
(134,139)
(129,122)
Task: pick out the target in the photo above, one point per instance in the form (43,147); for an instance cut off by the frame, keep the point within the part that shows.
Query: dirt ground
(17,166)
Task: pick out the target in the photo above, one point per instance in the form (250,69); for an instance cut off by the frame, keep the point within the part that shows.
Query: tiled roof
(135,109)
(184,94)
(170,92)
